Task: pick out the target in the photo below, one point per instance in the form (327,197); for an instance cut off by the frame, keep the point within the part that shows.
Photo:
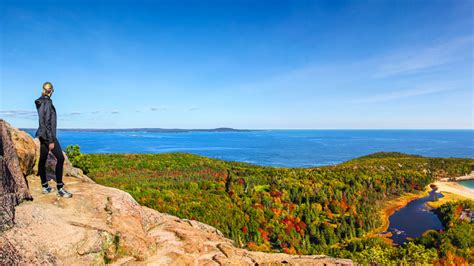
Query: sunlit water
(288,148)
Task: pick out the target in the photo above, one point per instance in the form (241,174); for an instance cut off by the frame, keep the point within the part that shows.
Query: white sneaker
(47,190)
(63,193)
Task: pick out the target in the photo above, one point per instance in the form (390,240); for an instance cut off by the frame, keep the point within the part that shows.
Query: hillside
(333,210)
(102,225)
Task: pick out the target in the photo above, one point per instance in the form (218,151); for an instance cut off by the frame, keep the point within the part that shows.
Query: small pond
(414,219)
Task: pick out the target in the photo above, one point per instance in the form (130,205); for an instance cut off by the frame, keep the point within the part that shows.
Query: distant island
(149,130)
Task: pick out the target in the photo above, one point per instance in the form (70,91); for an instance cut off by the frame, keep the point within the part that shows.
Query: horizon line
(251,129)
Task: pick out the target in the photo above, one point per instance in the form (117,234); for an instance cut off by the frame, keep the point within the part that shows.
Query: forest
(332,210)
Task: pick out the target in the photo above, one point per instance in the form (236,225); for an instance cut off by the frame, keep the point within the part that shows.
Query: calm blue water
(467,183)
(420,219)
(289,148)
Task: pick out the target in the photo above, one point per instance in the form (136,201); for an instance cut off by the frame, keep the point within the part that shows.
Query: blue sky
(241,64)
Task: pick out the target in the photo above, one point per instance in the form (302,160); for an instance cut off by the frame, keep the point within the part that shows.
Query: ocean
(467,183)
(283,148)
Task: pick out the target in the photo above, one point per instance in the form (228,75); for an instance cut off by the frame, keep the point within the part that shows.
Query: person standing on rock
(48,142)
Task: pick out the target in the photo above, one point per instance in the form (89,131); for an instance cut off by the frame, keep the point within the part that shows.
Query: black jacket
(47,119)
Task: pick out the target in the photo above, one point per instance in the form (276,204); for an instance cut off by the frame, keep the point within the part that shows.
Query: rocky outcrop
(101,225)
(13,185)
(25,148)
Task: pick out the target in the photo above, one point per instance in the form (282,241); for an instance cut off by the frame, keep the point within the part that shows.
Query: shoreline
(454,188)
(451,190)
(392,206)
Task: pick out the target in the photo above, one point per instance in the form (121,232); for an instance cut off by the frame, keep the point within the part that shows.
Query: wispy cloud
(423,58)
(401,94)
(157,109)
(75,113)
(191,109)
(316,77)
(25,114)
(114,112)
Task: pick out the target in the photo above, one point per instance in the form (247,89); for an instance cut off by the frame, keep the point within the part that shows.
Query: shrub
(78,159)
(73,151)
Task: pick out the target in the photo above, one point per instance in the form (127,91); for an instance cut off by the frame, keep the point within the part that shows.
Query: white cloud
(400,94)
(157,109)
(422,58)
(28,114)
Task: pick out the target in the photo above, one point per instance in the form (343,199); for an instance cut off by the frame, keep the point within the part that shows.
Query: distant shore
(150,130)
